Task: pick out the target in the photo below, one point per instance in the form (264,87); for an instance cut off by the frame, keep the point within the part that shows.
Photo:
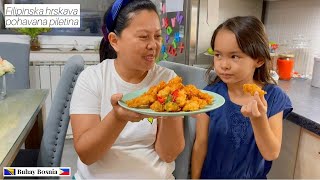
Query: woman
(111,141)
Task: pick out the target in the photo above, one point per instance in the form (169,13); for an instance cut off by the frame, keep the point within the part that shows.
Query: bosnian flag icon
(65,171)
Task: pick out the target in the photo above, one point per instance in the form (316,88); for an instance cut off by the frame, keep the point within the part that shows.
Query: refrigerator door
(178,44)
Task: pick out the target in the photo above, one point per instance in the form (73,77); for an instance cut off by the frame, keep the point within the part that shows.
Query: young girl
(240,139)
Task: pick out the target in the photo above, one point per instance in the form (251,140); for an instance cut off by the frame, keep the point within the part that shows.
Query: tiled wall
(287,19)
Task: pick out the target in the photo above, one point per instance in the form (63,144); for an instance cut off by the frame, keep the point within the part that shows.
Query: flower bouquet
(5,67)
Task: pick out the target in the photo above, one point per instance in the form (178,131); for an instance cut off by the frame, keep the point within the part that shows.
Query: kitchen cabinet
(284,166)
(308,159)
(300,154)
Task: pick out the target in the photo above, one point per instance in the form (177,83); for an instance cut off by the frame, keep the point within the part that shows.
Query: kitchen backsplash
(286,20)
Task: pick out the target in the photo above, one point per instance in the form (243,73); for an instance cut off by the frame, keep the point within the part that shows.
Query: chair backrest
(17,54)
(196,76)
(58,119)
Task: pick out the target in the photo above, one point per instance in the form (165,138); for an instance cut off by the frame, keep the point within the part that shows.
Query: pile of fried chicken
(172,97)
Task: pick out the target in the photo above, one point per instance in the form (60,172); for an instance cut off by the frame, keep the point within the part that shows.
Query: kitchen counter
(306,103)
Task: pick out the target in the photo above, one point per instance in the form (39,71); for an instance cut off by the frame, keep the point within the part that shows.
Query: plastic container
(316,73)
(285,64)
(303,56)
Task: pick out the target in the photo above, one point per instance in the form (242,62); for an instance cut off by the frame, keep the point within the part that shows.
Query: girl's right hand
(256,108)
(124,114)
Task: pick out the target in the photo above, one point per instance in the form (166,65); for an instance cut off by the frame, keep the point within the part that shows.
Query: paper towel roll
(316,73)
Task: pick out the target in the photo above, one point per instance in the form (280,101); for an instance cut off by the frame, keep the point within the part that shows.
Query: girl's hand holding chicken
(256,109)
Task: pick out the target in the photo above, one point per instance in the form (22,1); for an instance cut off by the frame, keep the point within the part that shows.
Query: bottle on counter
(285,64)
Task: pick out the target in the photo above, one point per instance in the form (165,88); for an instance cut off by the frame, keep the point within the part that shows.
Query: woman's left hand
(256,108)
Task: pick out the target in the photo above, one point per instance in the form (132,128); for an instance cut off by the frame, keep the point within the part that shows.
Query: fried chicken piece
(146,99)
(175,83)
(205,96)
(157,106)
(155,89)
(191,90)
(182,98)
(143,101)
(252,88)
(176,86)
(191,105)
(164,92)
(202,102)
(175,80)
(171,107)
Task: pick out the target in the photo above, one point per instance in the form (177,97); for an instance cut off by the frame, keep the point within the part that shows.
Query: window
(91,15)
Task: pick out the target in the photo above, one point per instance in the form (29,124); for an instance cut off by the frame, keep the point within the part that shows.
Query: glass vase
(3,87)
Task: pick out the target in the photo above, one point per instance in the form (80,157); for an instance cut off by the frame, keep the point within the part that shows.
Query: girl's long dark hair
(252,40)
(122,21)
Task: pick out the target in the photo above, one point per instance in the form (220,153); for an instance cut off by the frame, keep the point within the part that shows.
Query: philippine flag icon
(65,171)
(9,171)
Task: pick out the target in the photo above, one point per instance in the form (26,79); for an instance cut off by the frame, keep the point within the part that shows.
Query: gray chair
(50,152)
(17,54)
(196,76)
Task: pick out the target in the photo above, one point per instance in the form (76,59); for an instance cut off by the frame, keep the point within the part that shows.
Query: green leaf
(32,32)
(169,99)
(150,120)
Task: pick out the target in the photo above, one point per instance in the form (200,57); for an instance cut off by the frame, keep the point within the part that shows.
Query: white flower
(6,67)
(2,72)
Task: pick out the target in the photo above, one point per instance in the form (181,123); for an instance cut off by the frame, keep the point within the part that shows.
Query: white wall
(286,19)
(224,9)
(231,8)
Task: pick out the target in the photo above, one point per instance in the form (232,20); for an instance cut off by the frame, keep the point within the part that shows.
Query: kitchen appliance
(187,32)
(316,73)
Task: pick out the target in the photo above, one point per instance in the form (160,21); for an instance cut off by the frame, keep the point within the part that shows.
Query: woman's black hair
(120,22)
(252,40)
